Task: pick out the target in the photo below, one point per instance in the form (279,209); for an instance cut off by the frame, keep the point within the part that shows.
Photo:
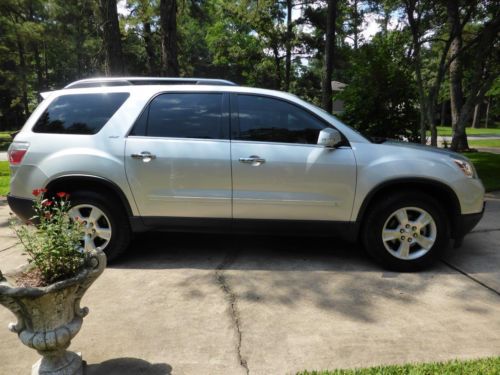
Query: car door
(279,171)
(178,157)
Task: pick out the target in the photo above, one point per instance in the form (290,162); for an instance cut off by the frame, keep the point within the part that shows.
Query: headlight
(465,167)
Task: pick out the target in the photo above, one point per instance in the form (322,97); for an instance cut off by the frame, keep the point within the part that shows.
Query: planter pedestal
(49,317)
(62,363)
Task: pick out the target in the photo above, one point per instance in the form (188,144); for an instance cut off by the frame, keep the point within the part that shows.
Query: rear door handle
(253,160)
(145,156)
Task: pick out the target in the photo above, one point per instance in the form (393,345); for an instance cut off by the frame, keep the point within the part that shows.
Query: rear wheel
(105,222)
(406,232)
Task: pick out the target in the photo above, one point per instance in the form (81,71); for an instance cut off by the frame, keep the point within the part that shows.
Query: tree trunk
(150,50)
(79,42)
(356,23)
(24,83)
(36,55)
(443,113)
(277,67)
(455,70)
(414,27)
(431,110)
(168,25)
(326,98)
(459,140)
(427,101)
(430,114)
(483,75)
(111,38)
(45,61)
(476,118)
(288,57)
(487,112)
(38,67)
(434,91)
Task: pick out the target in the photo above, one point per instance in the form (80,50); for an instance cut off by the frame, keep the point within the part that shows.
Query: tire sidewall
(372,231)
(120,231)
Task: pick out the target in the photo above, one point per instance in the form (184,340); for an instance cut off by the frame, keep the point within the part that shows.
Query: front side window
(79,114)
(186,115)
(271,120)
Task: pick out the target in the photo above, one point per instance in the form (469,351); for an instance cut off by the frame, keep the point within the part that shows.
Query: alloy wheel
(409,233)
(97,226)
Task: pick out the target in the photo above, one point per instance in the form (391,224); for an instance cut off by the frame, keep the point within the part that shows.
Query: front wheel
(406,232)
(105,223)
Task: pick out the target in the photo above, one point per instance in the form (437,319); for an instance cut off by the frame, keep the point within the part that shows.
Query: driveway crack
(233,304)
(486,230)
(9,247)
(453,267)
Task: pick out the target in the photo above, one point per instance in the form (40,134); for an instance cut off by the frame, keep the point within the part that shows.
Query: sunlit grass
(484,143)
(486,366)
(4,177)
(488,168)
(446,131)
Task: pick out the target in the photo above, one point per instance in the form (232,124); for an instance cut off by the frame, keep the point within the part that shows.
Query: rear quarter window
(79,114)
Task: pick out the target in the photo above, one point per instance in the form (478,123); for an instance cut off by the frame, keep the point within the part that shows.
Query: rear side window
(79,114)
(186,115)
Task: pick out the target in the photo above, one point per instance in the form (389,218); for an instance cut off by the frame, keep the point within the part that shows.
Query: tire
(107,225)
(406,232)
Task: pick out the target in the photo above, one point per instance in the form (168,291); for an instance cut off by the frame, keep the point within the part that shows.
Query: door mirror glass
(329,137)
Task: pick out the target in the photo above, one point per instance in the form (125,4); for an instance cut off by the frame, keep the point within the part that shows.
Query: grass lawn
(484,143)
(487,366)
(488,168)
(4,177)
(446,131)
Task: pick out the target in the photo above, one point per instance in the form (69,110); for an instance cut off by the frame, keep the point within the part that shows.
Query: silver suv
(140,154)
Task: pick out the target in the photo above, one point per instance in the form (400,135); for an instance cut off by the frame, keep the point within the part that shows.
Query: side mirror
(329,137)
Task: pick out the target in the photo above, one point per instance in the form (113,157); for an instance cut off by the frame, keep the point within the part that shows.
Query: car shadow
(288,271)
(161,250)
(127,366)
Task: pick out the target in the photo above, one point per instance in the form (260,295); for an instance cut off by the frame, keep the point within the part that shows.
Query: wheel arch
(442,192)
(71,183)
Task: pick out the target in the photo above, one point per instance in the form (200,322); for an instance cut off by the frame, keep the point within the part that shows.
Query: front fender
(379,165)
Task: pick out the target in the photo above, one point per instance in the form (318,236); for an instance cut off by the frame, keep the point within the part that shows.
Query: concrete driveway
(200,304)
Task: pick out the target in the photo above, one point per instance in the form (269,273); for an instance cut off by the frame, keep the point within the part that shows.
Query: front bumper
(465,223)
(22,207)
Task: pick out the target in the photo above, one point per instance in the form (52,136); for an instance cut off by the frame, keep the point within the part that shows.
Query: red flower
(47,203)
(37,192)
(61,194)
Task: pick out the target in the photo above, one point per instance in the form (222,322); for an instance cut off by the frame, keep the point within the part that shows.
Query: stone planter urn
(49,317)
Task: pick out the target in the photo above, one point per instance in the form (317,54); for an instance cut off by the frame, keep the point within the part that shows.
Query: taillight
(16,152)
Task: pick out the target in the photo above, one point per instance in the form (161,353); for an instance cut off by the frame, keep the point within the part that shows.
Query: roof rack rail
(132,81)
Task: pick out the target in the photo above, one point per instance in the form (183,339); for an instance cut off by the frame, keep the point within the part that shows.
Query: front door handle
(145,156)
(253,160)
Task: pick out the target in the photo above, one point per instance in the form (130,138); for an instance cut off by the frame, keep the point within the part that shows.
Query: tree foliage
(381,99)
(397,79)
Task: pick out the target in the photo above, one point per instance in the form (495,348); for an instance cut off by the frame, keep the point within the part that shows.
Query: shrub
(52,239)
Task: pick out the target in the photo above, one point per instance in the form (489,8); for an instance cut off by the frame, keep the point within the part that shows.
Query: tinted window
(186,116)
(79,114)
(271,120)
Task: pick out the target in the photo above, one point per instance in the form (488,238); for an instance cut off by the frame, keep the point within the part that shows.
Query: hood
(418,146)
